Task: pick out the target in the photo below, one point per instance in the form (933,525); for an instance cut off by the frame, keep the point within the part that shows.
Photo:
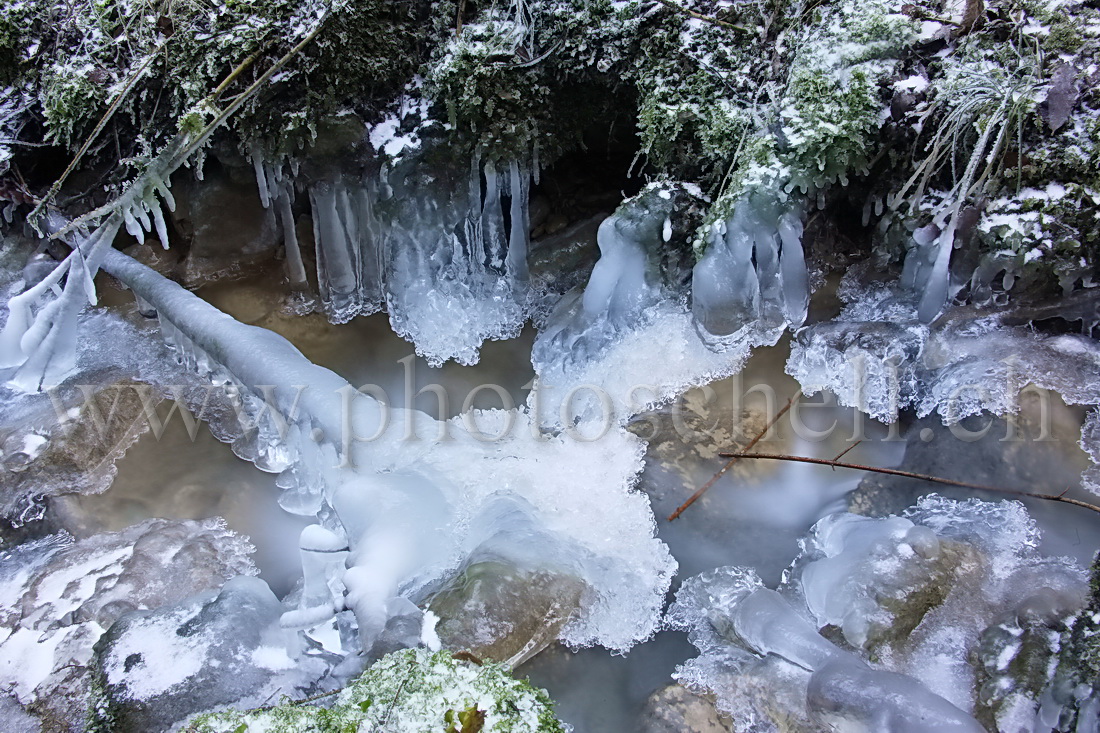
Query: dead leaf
(1061,97)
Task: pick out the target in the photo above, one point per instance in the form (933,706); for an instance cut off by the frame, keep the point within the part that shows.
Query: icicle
(370,256)
(296,270)
(141,212)
(536,169)
(725,288)
(158,220)
(132,225)
(323,554)
(261,176)
(165,193)
(520,225)
(766,251)
(492,220)
(475,183)
(936,288)
(796,290)
(336,272)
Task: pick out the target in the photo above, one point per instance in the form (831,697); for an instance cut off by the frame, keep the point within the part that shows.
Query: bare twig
(458,18)
(694,497)
(700,16)
(910,474)
(845,451)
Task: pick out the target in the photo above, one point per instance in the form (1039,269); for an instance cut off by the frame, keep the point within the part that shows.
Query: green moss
(71,97)
(411,690)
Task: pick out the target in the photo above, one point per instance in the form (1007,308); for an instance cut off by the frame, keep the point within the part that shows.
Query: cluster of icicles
(437,253)
(39,336)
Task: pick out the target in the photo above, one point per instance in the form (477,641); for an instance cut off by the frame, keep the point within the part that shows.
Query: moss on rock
(411,690)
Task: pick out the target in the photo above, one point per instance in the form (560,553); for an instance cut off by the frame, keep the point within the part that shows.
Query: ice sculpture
(841,689)
(404,512)
(625,282)
(594,356)
(918,594)
(751,282)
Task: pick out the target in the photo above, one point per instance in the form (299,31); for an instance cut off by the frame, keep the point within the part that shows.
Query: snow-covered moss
(411,690)
(825,123)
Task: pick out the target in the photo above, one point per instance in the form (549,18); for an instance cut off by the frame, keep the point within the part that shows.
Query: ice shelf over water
(879,357)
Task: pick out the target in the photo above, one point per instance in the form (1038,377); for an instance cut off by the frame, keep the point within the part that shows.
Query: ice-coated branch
(40,334)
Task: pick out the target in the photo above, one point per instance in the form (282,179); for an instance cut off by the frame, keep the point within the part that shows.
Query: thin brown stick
(700,16)
(910,474)
(844,452)
(694,497)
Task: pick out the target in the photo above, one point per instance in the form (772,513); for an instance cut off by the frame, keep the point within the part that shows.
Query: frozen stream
(753,516)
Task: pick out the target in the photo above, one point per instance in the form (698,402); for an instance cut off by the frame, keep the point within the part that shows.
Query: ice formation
(751,282)
(878,357)
(914,597)
(407,507)
(444,253)
(594,355)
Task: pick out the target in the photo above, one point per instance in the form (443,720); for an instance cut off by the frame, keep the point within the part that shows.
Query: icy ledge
(878,357)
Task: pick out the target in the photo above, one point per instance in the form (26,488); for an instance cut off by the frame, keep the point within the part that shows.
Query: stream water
(754,515)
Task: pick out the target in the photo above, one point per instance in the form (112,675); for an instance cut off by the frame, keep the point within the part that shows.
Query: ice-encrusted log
(304,407)
(751,281)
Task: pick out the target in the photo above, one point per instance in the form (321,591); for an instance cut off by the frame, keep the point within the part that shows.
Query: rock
(497,611)
(57,596)
(228,229)
(409,691)
(562,261)
(70,445)
(338,140)
(158,667)
(676,709)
